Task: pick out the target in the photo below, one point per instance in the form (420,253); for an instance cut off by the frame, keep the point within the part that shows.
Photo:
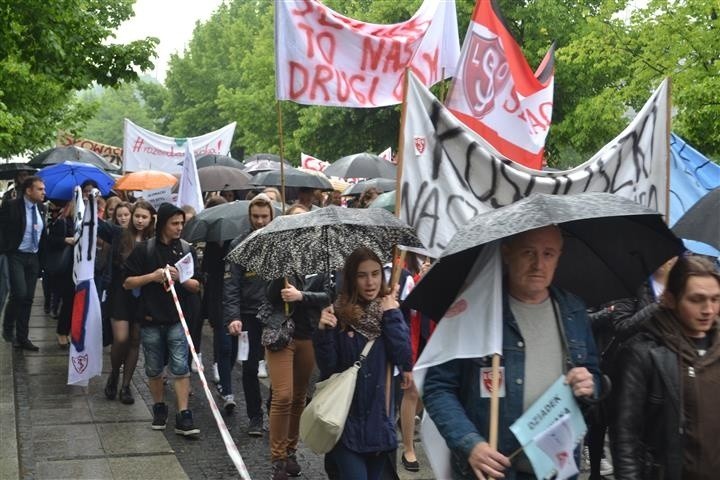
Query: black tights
(125,349)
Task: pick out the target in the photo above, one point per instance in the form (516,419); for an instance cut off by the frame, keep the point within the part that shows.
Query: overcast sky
(172,21)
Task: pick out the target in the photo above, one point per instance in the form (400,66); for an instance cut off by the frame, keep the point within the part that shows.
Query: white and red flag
(324,58)
(497,94)
(312,163)
(387,155)
(86,355)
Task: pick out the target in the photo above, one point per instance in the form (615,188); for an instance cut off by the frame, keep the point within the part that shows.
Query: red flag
(496,93)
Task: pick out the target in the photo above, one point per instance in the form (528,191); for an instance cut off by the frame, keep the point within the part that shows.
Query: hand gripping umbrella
(611,245)
(319,241)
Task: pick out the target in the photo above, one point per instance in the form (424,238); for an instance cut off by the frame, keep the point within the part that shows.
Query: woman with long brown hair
(363,312)
(123,303)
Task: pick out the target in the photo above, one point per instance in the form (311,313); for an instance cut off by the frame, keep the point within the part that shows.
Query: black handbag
(61,262)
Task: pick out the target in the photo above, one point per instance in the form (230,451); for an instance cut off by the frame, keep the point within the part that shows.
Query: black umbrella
(221,222)
(611,245)
(219,178)
(8,171)
(221,160)
(262,162)
(293,178)
(702,221)
(361,165)
(319,241)
(381,184)
(57,155)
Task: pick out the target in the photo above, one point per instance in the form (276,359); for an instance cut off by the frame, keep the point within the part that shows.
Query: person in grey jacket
(243,293)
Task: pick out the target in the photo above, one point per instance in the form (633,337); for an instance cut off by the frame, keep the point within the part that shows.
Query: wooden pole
(495,402)
(398,262)
(668,159)
(401,145)
(282,158)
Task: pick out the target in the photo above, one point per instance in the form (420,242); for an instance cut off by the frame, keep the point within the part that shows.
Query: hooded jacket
(157,305)
(667,426)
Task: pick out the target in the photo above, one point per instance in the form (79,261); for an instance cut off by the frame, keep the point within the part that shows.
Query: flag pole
(401,145)
(282,157)
(668,159)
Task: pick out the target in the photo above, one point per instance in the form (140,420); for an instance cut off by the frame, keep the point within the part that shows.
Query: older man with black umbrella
(591,244)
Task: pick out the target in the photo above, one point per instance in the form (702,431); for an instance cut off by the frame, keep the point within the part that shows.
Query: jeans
(251,384)
(358,466)
(157,340)
(226,349)
(24,269)
(289,370)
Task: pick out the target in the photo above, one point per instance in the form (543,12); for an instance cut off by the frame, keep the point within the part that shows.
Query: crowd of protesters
(660,350)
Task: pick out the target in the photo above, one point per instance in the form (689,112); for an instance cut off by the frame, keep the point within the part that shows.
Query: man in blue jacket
(546,333)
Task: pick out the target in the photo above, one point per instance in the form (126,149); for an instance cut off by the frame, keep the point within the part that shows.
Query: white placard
(185,267)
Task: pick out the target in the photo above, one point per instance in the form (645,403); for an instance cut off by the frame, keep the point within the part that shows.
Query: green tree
(113,105)
(48,50)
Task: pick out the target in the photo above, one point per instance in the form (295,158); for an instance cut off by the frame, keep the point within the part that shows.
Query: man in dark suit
(21,224)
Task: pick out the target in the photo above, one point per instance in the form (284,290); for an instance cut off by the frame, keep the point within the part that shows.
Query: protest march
(465,303)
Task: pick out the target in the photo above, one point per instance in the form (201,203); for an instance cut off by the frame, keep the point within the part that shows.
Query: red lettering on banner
(373,88)
(329,21)
(358,94)
(342,79)
(545,110)
(308,39)
(296,68)
(323,74)
(371,55)
(536,125)
(327,50)
(432,61)
(392,59)
(302,13)
(515,105)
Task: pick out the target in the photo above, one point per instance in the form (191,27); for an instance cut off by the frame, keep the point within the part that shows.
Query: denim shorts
(159,340)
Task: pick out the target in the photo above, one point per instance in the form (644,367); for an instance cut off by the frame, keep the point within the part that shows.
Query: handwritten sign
(324,58)
(185,267)
(555,404)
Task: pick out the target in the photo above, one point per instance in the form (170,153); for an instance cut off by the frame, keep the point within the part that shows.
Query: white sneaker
(194,366)
(585,460)
(262,369)
(606,468)
(214,373)
(229,404)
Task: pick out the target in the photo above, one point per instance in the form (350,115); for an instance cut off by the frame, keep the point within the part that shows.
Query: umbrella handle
(287,305)
(399,261)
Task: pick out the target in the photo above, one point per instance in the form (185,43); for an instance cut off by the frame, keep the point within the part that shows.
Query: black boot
(111,386)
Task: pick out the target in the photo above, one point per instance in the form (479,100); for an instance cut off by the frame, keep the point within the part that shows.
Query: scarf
(364,318)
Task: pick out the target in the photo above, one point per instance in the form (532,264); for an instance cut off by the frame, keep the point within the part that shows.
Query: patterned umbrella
(319,241)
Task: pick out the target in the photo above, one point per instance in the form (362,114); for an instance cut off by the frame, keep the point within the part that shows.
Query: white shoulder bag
(323,420)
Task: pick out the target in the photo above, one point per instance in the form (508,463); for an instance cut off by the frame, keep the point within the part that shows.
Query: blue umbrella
(62,178)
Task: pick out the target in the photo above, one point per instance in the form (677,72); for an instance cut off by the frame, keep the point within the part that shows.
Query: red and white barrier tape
(224,433)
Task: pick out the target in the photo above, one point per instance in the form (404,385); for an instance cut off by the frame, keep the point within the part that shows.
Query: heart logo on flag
(562,458)
(80,363)
(419,145)
(487,379)
(485,74)
(457,308)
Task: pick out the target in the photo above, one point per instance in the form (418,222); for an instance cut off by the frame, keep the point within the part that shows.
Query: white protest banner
(557,403)
(471,328)
(186,268)
(312,163)
(189,192)
(495,92)
(157,197)
(324,58)
(86,354)
(450,174)
(146,150)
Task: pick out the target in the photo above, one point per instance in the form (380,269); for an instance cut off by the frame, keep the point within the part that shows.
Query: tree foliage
(48,50)
(609,59)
